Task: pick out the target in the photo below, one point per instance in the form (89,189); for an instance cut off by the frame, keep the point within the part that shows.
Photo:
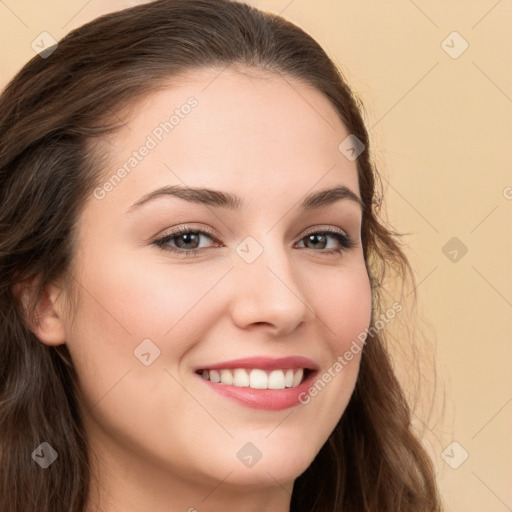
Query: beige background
(440,128)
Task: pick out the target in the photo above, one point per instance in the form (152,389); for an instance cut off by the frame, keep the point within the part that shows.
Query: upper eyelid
(213,233)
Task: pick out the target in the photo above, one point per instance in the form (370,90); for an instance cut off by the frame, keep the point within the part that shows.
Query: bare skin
(161,439)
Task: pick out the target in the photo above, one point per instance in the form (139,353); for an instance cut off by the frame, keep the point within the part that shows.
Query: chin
(256,464)
(270,474)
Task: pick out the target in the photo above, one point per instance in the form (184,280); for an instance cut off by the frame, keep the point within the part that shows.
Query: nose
(269,291)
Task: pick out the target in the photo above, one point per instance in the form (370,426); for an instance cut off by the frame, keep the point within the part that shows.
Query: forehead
(243,130)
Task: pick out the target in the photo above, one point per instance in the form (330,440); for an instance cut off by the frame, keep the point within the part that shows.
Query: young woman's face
(262,283)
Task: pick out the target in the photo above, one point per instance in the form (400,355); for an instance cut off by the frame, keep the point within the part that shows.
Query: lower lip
(266,399)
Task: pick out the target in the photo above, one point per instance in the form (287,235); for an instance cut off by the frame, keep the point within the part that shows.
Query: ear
(48,323)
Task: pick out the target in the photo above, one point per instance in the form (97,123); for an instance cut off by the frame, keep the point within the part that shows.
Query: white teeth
(226,377)
(240,378)
(214,376)
(298,377)
(256,378)
(276,380)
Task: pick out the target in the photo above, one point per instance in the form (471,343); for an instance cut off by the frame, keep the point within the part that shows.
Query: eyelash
(344,240)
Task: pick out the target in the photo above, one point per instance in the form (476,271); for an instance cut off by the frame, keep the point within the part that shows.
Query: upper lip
(263,363)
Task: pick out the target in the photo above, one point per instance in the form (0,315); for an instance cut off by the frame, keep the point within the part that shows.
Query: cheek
(344,310)
(120,307)
(134,299)
(345,307)
(124,302)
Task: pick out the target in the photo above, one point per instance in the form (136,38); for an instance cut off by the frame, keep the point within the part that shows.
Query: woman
(191,268)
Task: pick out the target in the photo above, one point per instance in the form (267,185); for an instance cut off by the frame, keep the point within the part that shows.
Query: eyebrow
(219,199)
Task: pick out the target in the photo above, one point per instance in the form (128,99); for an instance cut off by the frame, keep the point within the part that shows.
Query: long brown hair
(50,115)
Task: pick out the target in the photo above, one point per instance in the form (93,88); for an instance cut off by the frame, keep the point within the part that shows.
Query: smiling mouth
(257,378)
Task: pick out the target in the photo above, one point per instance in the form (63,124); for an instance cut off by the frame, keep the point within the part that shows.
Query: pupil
(187,236)
(314,238)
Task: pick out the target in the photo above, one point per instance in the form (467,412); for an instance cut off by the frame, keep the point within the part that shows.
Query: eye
(320,239)
(185,241)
